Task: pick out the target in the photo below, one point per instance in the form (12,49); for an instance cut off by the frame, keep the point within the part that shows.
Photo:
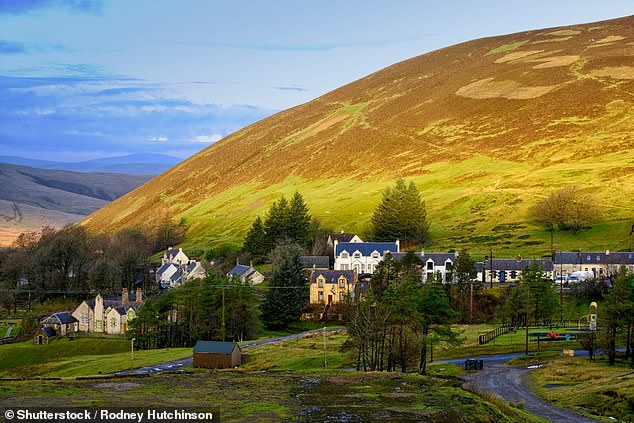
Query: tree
(299,221)
(463,287)
(255,242)
(276,223)
(567,209)
(287,295)
(617,312)
(401,215)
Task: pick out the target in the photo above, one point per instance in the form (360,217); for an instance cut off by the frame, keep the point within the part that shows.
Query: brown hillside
(485,128)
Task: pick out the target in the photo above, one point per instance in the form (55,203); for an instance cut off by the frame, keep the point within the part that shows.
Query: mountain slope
(137,164)
(485,128)
(31,198)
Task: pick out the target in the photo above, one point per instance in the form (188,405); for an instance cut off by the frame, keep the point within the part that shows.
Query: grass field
(588,386)
(274,396)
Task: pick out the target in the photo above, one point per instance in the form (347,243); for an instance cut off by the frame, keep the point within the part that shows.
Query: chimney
(251,263)
(139,295)
(237,261)
(342,231)
(398,246)
(124,295)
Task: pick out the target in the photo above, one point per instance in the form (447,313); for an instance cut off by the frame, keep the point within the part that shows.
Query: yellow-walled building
(332,286)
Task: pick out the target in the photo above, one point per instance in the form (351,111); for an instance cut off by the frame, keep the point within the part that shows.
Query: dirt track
(510,384)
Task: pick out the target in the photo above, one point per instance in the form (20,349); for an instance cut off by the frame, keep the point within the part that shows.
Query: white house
(435,263)
(509,270)
(177,268)
(246,273)
(363,257)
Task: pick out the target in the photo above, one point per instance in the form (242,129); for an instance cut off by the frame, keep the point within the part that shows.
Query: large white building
(434,263)
(363,257)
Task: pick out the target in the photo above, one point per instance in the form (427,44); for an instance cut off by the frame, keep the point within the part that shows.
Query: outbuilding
(43,335)
(217,355)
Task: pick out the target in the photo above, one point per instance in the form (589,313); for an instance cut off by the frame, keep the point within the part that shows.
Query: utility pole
(471,301)
(491,265)
(223,315)
(528,298)
(325,359)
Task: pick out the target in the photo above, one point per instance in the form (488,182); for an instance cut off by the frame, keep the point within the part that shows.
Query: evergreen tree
(289,293)
(299,225)
(255,242)
(401,215)
(276,224)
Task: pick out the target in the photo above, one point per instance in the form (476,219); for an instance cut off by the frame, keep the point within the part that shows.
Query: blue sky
(83,79)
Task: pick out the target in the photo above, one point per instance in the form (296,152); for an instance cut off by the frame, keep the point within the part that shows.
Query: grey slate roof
(238,270)
(318,262)
(366,248)
(60,318)
(49,331)
(332,276)
(215,347)
(593,257)
(341,237)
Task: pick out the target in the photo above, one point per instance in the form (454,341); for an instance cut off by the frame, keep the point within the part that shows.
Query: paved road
(188,361)
(510,384)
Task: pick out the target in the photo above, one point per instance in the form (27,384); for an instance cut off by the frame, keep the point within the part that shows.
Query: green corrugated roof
(215,347)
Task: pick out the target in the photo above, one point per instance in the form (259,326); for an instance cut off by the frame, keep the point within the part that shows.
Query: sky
(86,79)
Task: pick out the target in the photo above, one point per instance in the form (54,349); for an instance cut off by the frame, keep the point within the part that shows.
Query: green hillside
(485,129)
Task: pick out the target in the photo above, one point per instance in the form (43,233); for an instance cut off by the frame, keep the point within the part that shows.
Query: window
(513,274)
(375,255)
(321,296)
(588,258)
(344,254)
(320,282)
(84,318)
(430,265)
(357,255)
(341,296)
(600,270)
(598,258)
(342,282)
(113,322)
(345,267)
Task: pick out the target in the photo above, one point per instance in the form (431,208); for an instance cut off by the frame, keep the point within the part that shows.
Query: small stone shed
(217,355)
(43,335)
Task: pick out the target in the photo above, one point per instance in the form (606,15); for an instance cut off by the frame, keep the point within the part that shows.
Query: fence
(491,335)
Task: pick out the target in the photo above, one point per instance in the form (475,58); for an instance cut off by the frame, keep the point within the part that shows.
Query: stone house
(63,323)
(108,315)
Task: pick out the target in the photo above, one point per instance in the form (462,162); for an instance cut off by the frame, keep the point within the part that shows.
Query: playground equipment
(591,317)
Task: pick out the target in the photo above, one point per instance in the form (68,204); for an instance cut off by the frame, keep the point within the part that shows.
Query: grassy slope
(590,387)
(485,129)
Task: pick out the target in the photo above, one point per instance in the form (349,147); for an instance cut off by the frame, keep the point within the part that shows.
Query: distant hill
(31,198)
(137,164)
(485,129)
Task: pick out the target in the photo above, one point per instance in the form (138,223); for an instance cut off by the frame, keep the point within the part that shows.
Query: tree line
(71,260)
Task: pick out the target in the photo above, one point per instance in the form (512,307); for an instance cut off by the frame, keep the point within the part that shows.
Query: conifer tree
(255,242)
(401,215)
(289,293)
(299,226)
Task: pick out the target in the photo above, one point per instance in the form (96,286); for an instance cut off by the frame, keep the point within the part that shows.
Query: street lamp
(132,353)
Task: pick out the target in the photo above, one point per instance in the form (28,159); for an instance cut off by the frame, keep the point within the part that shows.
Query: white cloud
(159,139)
(207,138)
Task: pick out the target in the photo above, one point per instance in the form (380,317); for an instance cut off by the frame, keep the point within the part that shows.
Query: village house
(434,263)
(63,323)
(603,264)
(246,273)
(502,270)
(176,268)
(341,237)
(43,335)
(332,286)
(108,315)
(362,257)
(217,355)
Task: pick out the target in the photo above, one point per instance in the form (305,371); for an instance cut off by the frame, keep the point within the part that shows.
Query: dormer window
(320,282)
(344,254)
(357,254)
(342,282)
(430,265)
(375,255)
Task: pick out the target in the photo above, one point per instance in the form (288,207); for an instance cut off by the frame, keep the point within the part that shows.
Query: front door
(329,299)
(39,339)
